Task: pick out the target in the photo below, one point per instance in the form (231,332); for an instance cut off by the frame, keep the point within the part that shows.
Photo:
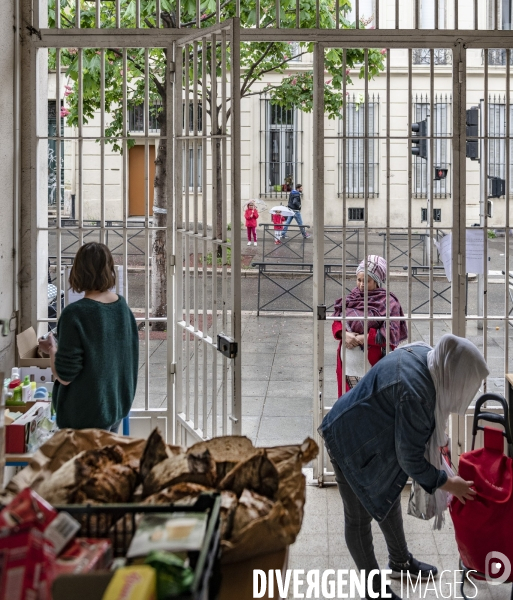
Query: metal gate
(207,137)
(435,301)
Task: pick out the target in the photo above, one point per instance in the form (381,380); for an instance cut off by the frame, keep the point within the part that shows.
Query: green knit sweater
(98,352)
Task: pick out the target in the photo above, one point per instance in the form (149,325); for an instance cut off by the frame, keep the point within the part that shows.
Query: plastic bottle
(15,373)
(26,395)
(17,394)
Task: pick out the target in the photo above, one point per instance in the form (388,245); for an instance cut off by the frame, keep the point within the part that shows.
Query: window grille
(356,214)
(136,118)
(440,128)
(295,48)
(354,163)
(280,149)
(199,168)
(437,215)
(422,56)
(52,155)
(366,12)
(497,146)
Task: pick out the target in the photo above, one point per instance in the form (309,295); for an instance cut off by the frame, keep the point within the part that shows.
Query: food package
(26,511)
(132,583)
(251,506)
(227,451)
(84,555)
(192,468)
(257,473)
(177,493)
(29,430)
(155,451)
(64,445)
(97,476)
(174,575)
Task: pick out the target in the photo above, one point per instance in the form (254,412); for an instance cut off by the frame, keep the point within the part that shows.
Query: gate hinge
(460,72)
(172,66)
(172,260)
(172,369)
(459,264)
(226,345)
(321,312)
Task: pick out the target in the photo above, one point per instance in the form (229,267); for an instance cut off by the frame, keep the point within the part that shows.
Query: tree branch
(253,67)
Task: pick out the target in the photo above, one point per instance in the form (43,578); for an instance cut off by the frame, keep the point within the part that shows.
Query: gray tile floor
(277,408)
(321,545)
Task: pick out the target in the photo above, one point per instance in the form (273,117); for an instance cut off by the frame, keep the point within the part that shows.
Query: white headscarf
(457,369)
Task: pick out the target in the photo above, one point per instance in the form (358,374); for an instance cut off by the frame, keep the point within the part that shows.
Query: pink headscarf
(376,268)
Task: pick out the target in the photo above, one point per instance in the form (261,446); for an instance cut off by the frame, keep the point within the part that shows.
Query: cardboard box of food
(81,586)
(20,435)
(27,350)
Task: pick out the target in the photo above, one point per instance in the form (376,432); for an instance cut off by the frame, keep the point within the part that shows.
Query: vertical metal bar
(456,15)
(118,14)
(102,145)
(377,15)
(416,16)
(194,168)
(224,226)
(179,240)
(459,189)
(125,167)
(218,11)
(178,13)
(204,220)
(357,14)
(387,193)
(317,14)
(476,14)
(337,13)
(57,9)
(507,177)
(186,134)
(170,241)
(215,246)
(344,215)
(366,204)
(236,232)
(410,194)
(157,19)
(16,266)
(147,246)
(198,14)
(98,6)
(397,15)
(77,13)
(429,180)
(277,13)
(59,158)
(138,14)
(496,15)
(298,14)
(436,16)
(318,259)
(484,211)
(257,13)
(80,195)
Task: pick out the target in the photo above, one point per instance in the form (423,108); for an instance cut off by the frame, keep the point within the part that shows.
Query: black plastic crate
(117,522)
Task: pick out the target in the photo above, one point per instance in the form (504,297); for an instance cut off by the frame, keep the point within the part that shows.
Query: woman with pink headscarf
(353,337)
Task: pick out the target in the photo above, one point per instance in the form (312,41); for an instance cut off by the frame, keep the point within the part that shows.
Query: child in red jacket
(251,216)
(278,220)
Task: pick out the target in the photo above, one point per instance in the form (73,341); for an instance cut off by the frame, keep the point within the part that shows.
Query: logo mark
(497,568)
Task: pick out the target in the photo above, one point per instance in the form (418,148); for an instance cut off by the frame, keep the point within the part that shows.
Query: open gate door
(207,224)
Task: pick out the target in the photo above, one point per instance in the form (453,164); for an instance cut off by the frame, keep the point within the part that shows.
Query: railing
(290,248)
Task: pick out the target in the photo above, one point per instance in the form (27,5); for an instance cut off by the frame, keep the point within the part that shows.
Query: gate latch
(227,345)
(321,312)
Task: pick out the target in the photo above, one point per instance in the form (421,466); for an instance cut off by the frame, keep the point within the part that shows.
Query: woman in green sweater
(96,360)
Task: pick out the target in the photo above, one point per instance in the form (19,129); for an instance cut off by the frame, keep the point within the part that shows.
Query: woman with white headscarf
(391,427)
(354,335)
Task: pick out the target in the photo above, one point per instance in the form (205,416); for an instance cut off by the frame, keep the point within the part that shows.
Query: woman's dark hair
(93,269)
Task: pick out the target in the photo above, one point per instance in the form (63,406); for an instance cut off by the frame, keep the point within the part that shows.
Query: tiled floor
(321,545)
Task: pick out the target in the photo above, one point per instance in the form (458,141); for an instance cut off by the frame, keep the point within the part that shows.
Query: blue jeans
(297,216)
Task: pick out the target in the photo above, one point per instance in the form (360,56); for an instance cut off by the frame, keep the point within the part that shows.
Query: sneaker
(277,242)
(307,235)
(283,237)
(254,243)
(413,567)
(249,243)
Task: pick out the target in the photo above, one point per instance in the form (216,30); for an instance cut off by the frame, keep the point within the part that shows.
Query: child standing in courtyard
(251,216)
(278,220)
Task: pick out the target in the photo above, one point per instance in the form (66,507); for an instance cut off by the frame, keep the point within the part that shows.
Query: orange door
(136,196)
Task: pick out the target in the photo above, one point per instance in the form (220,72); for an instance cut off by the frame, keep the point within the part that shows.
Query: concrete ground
(277,408)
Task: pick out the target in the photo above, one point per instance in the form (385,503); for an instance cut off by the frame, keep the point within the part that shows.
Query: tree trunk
(158,257)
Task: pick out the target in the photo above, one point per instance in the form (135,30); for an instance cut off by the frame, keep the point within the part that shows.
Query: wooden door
(136,203)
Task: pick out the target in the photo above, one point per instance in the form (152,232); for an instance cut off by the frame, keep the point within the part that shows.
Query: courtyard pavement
(277,408)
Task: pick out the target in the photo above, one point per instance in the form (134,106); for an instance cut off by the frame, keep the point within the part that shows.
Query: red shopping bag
(485,525)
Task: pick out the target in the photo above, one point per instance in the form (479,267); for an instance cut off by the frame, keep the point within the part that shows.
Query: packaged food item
(84,555)
(28,431)
(28,510)
(173,532)
(132,583)
(174,575)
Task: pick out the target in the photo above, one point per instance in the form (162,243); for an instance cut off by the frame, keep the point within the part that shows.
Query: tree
(257,59)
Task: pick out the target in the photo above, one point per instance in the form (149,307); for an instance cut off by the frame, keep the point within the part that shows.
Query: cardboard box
(43,377)
(237,578)
(21,434)
(27,350)
(83,586)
